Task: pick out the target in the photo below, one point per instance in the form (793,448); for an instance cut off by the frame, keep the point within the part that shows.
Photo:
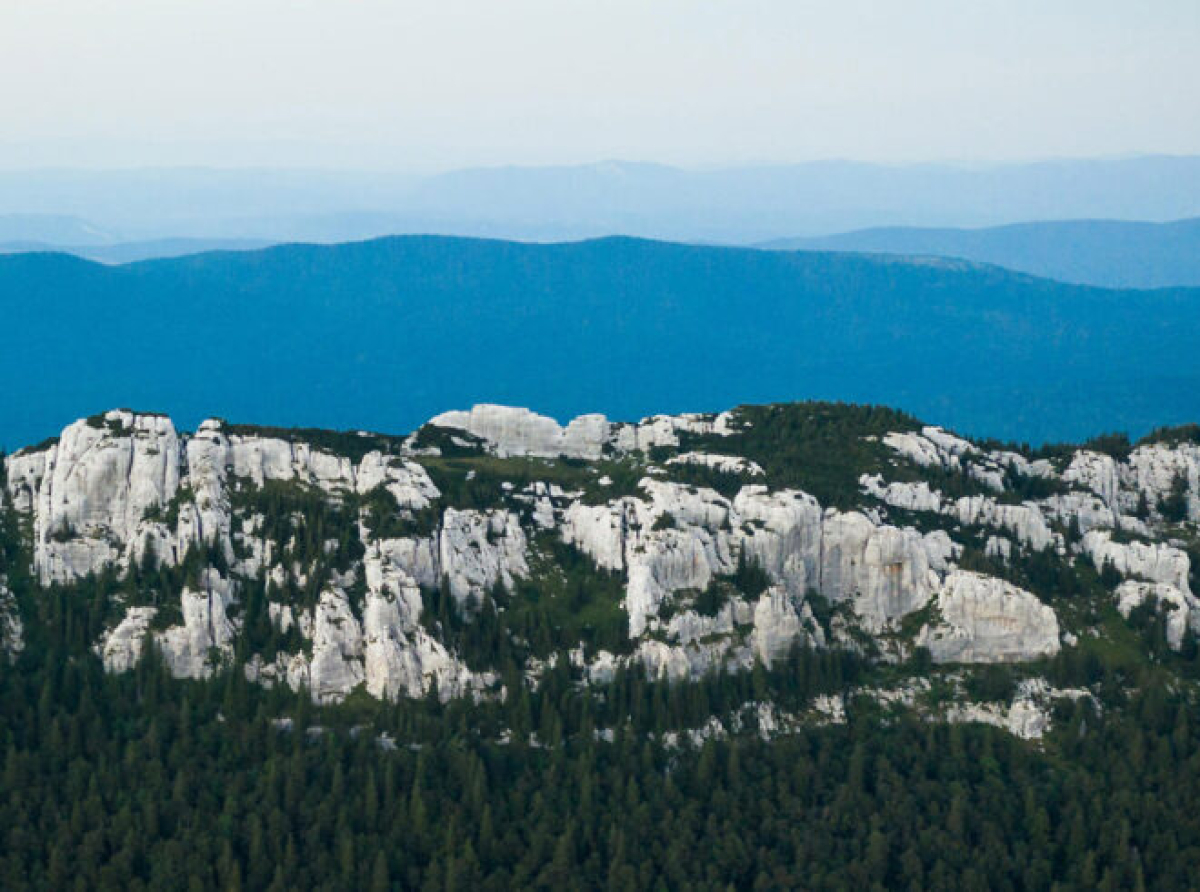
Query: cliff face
(322,561)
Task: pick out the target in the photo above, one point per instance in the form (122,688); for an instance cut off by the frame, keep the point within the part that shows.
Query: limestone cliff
(337,562)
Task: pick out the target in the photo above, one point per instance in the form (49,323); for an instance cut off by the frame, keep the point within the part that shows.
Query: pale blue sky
(432,85)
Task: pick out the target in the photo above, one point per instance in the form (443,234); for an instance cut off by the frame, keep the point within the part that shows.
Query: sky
(426,86)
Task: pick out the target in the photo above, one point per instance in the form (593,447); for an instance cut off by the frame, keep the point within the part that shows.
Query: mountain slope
(493,541)
(502,653)
(383,334)
(1107,253)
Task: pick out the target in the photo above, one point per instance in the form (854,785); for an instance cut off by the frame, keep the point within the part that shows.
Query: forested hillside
(788,646)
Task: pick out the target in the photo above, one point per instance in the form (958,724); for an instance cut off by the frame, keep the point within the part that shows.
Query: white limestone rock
(676,662)
(206,516)
(1181,607)
(1096,472)
(24,471)
(12,631)
(988,620)
(1026,521)
(599,531)
(665,562)
(830,709)
(417,557)
(886,572)
(1156,562)
(781,532)
(724,464)
(400,658)
(205,640)
(99,482)
(1022,718)
(1089,512)
(932,447)
(909,496)
(283,617)
(998,547)
(1027,717)
(336,667)
(781,622)
(664,430)
(478,549)
(121,647)
(407,481)
(513,432)
(257,459)
(1152,470)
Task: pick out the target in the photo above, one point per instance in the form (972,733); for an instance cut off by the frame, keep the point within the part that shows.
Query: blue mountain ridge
(384,334)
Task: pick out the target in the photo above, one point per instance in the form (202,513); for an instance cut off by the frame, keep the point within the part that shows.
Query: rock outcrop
(1155,562)
(982,619)
(346,543)
(1181,607)
(510,431)
(12,630)
(1153,471)
(204,641)
(95,488)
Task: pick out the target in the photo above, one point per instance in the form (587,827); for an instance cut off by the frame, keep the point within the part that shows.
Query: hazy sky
(428,85)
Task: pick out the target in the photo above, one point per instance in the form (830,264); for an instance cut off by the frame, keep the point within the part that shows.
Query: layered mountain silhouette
(383,334)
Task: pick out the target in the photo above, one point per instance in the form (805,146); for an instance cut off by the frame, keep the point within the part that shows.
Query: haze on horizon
(433,86)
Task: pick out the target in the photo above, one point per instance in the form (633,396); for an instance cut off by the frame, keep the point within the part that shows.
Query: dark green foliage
(142,781)
(1116,445)
(749,577)
(821,448)
(749,580)
(709,601)
(478,481)
(992,684)
(1174,505)
(42,446)
(259,634)
(385,519)
(565,602)
(724,482)
(139,781)
(448,441)
(1027,487)
(169,514)
(1172,436)
(305,522)
(823,611)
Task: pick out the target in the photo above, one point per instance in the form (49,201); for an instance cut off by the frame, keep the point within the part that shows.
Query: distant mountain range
(383,334)
(131,252)
(34,231)
(1109,253)
(727,205)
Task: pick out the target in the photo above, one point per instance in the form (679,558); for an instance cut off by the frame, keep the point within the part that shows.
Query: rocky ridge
(320,558)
